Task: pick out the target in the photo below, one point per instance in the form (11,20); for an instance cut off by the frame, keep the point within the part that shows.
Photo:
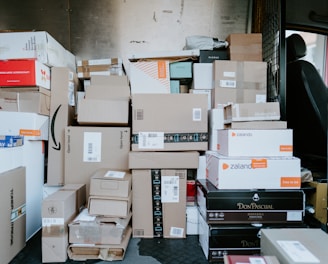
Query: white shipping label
(229,74)
(151,140)
(71,94)
(176,232)
(196,114)
(115,174)
(92,147)
(297,251)
(170,189)
(228,83)
(46,221)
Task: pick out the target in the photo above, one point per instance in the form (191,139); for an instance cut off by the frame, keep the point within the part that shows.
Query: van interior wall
(118,28)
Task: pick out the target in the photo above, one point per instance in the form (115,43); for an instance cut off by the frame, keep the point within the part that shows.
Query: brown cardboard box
(109,252)
(150,171)
(110,206)
(63,84)
(106,182)
(88,149)
(319,200)
(245,46)
(108,66)
(81,194)
(295,245)
(169,122)
(239,82)
(58,209)
(88,229)
(13,213)
(27,99)
(112,80)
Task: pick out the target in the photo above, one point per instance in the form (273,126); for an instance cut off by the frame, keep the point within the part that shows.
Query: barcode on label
(90,148)
(139,115)
(176,232)
(228,83)
(197,114)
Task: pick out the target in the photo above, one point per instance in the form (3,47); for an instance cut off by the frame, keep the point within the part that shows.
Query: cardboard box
(8,141)
(112,80)
(181,70)
(275,124)
(13,215)
(24,73)
(39,45)
(108,66)
(58,210)
(202,76)
(239,82)
(255,142)
(192,220)
(291,246)
(208,92)
(88,229)
(27,99)
(253,173)
(64,84)
(169,122)
(111,252)
(150,77)
(88,149)
(110,206)
(81,194)
(252,112)
(245,46)
(318,199)
(208,56)
(215,122)
(106,182)
(174,86)
(235,259)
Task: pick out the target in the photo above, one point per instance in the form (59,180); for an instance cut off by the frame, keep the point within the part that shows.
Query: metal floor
(139,251)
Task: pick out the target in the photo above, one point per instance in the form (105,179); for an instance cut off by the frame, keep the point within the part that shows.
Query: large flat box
(106,182)
(202,76)
(39,45)
(64,84)
(245,46)
(318,199)
(255,142)
(291,246)
(24,73)
(239,82)
(252,112)
(159,203)
(88,229)
(169,122)
(110,206)
(109,252)
(253,173)
(150,77)
(13,215)
(58,209)
(27,99)
(107,66)
(280,206)
(89,148)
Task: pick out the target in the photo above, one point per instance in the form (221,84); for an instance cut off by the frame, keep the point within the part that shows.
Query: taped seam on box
(157,203)
(178,137)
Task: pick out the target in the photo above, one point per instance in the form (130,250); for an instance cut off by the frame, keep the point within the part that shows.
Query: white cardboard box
(255,142)
(253,173)
(202,76)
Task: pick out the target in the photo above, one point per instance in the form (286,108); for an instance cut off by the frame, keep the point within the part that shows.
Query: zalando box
(239,82)
(13,213)
(169,122)
(292,246)
(255,142)
(89,148)
(38,45)
(64,84)
(24,73)
(253,173)
(106,182)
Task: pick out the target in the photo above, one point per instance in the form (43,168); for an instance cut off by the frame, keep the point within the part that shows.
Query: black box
(208,56)
(250,206)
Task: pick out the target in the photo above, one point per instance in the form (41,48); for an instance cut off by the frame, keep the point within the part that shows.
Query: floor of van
(139,251)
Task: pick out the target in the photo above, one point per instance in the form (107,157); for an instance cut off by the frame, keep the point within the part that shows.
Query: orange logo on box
(30,132)
(259,163)
(161,68)
(225,166)
(286,148)
(233,134)
(289,182)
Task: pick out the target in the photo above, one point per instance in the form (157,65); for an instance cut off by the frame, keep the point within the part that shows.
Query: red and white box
(27,72)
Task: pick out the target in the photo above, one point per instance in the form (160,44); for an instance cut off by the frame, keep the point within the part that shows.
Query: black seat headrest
(296,47)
